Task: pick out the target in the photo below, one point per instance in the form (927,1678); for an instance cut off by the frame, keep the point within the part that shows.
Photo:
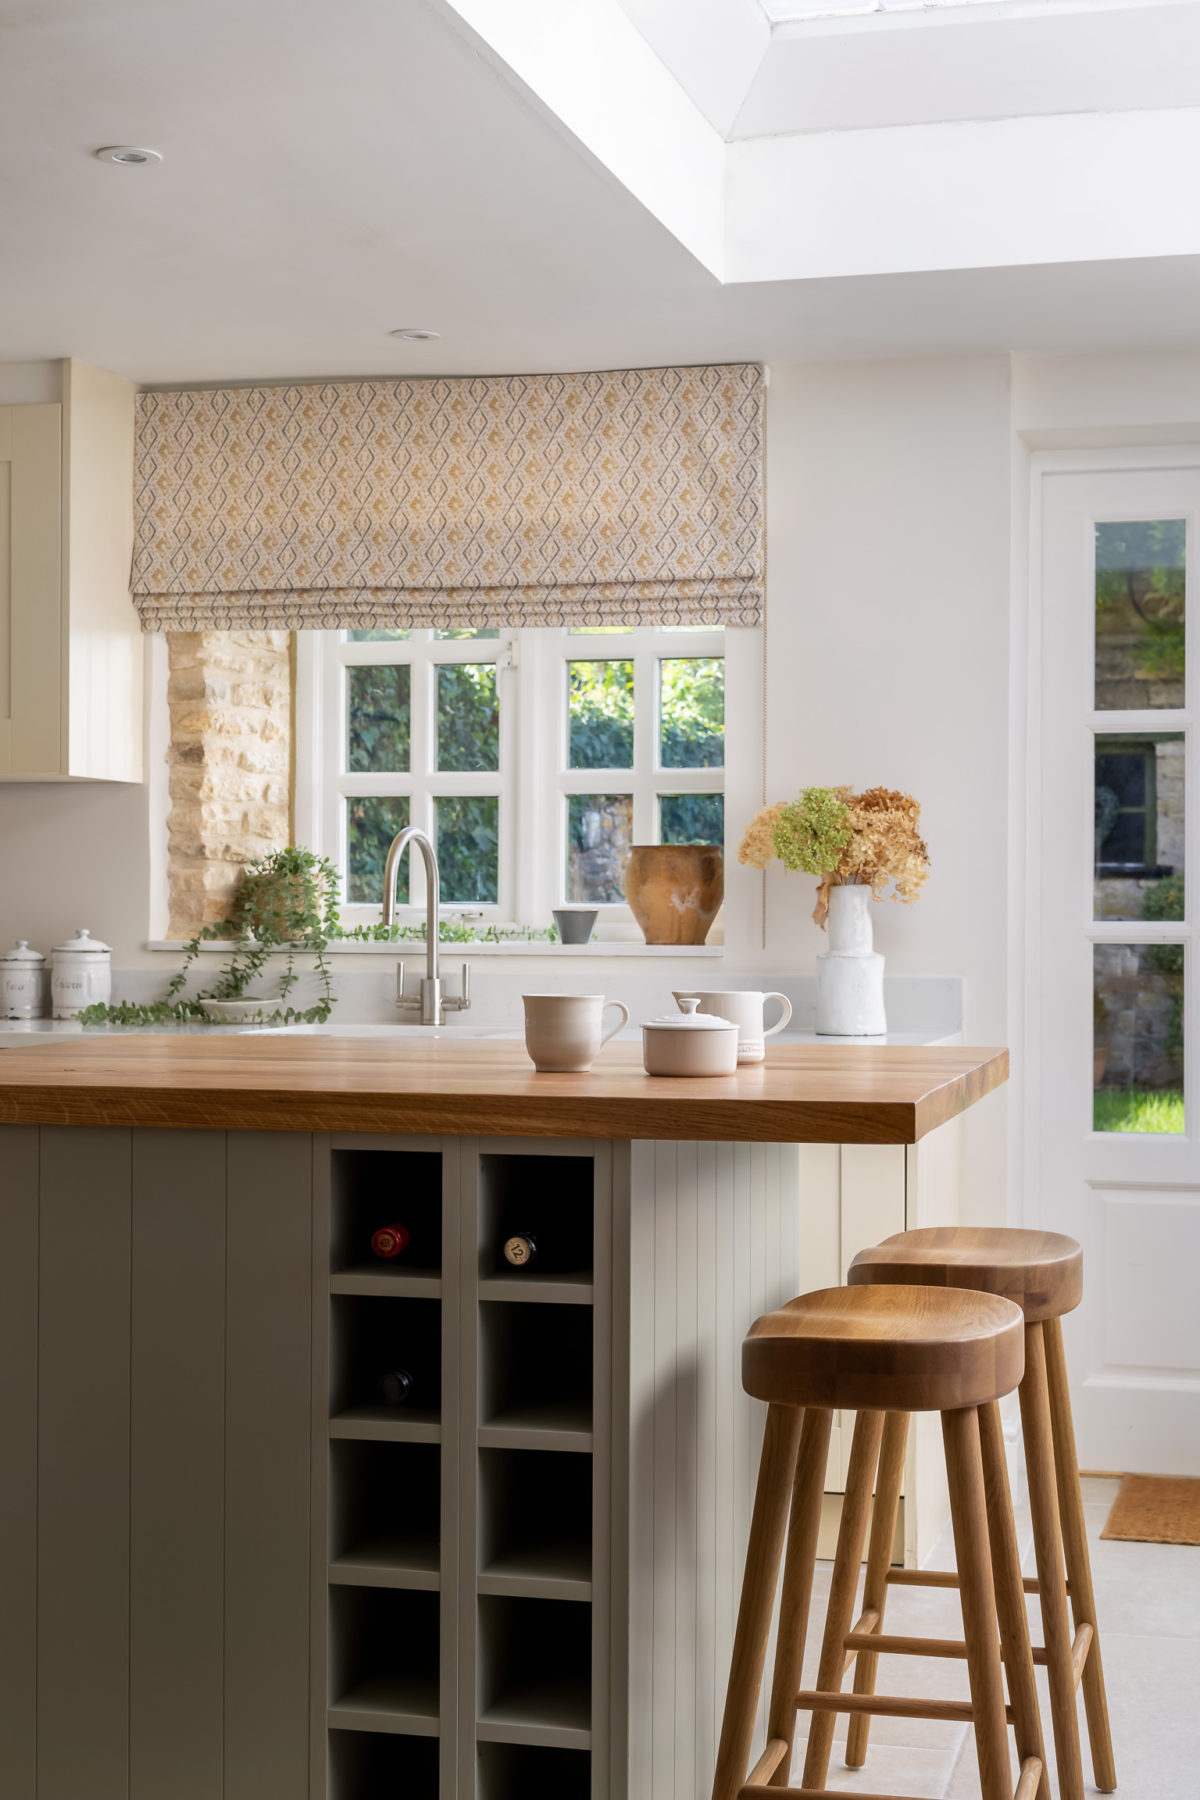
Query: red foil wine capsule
(390,1240)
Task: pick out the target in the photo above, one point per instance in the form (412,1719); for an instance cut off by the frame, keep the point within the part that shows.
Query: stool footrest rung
(1080,1646)
(750,1792)
(865,1626)
(945,1578)
(881,1644)
(890,1706)
(1027,1787)
(768,1762)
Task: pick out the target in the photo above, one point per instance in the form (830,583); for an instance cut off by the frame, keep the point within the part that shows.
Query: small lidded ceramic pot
(690,1043)
(82,974)
(22,983)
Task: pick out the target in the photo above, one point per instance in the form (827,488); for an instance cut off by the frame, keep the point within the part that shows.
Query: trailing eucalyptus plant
(287,903)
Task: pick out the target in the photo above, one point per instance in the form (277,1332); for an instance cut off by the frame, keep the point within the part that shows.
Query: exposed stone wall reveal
(230,699)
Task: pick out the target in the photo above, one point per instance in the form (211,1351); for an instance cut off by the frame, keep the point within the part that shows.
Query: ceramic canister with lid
(22,983)
(82,974)
(690,1043)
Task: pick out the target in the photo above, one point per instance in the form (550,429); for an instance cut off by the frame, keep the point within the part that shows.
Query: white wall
(887,656)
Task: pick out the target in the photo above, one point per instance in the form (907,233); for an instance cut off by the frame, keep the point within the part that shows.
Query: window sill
(451,952)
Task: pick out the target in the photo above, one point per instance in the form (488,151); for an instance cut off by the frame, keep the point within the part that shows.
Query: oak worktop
(821,1094)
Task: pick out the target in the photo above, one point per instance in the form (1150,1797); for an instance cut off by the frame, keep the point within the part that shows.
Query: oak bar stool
(1042,1272)
(878,1350)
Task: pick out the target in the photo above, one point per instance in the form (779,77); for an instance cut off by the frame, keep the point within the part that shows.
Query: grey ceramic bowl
(575,924)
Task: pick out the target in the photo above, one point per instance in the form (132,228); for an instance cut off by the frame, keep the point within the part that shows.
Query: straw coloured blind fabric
(627,498)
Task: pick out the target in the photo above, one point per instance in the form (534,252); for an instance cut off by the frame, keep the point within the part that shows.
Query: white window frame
(534,782)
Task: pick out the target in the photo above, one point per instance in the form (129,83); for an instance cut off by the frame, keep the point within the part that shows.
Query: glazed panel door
(1114,1103)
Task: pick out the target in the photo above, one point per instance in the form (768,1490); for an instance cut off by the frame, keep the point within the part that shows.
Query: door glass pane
(378,718)
(599,834)
(371,824)
(692,712)
(1137,1040)
(468,717)
(480,631)
(468,848)
(1140,614)
(1138,802)
(600,715)
(691,818)
(376,637)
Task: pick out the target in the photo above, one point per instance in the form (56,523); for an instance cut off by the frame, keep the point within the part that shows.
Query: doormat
(1155,1509)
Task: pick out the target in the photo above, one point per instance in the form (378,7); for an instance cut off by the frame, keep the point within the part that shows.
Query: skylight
(783,12)
(790,12)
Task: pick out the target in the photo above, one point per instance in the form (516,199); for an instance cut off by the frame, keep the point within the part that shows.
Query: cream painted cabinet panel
(850,1197)
(30,590)
(71,648)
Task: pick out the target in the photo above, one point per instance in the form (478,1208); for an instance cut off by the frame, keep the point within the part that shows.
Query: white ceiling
(332,172)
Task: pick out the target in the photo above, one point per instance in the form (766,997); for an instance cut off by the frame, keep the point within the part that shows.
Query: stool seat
(887,1348)
(1040,1271)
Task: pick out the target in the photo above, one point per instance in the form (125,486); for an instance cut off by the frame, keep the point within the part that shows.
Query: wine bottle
(396,1387)
(521,1250)
(391,1240)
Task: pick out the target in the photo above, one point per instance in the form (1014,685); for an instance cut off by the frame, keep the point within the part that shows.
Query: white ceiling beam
(1011,192)
(589,65)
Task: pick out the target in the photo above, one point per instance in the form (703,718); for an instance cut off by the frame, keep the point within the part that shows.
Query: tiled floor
(1148,1602)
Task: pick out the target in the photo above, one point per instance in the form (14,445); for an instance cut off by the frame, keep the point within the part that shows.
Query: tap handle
(462,999)
(404,1002)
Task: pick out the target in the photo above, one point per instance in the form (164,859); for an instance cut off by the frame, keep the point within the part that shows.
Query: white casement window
(534,759)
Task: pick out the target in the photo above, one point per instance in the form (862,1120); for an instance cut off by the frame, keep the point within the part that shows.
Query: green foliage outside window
(692,712)
(601,715)
(1140,573)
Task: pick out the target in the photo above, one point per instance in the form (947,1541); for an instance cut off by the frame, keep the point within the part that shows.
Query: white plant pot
(850,972)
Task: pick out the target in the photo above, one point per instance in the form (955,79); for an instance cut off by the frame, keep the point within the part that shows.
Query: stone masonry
(230,700)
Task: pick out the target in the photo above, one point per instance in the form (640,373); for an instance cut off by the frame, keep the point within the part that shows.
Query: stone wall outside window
(229,697)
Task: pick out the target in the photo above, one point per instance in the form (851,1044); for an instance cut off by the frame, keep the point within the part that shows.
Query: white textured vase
(850,972)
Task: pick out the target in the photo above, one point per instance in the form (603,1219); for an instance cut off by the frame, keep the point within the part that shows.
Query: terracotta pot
(675,890)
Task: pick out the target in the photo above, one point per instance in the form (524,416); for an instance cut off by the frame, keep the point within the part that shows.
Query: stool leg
(968,1513)
(879,1561)
(767,1524)
(1079,1566)
(860,1479)
(1047,1544)
(799,1563)
(1010,1595)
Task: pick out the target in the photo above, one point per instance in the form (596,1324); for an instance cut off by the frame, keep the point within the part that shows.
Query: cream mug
(563,1032)
(744,1008)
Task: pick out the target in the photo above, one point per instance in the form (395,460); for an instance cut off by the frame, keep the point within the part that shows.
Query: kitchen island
(228,1570)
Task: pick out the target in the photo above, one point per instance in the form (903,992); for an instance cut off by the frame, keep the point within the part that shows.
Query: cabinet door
(30,590)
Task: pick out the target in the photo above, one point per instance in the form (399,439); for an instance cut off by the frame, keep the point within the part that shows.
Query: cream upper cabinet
(70,644)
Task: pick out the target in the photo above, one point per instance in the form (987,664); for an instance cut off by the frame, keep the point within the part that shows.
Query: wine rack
(465,1532)
(515,1772)
(457,1644)
(537,1359)
(386,1495)
(364,1766)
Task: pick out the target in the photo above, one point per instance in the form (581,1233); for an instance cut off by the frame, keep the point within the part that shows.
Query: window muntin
(535,759)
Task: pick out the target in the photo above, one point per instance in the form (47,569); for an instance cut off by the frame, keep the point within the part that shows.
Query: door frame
(1027,815)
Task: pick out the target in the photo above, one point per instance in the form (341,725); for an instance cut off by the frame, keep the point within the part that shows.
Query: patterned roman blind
(628,498)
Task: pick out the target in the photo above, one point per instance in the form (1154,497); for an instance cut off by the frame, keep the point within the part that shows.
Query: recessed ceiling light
(130,155)
(416,334)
